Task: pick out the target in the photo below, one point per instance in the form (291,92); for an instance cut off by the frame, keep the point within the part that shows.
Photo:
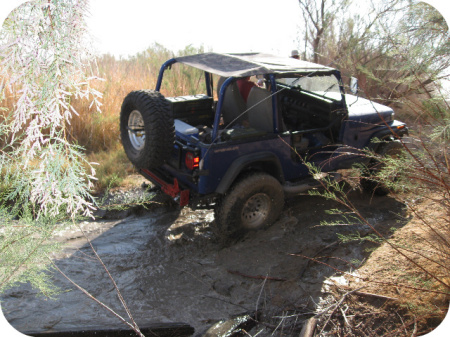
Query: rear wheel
(252,203)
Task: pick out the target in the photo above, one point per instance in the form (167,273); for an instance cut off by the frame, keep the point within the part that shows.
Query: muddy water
(169,268)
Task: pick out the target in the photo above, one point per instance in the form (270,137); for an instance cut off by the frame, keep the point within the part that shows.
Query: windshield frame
(336,74)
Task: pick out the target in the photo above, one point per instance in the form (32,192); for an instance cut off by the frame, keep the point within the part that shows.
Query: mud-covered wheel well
(264,162)
(260,167)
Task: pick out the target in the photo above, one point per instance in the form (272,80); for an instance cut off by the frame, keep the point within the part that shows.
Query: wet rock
(222,288)
(235,327)
(113,214)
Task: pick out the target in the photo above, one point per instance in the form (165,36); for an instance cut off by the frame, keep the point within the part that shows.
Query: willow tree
(396,48)
(45,179)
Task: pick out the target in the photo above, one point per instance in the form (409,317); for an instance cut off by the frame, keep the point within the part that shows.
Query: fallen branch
(334,306)
(131,325)
(314,257)
(119,294)
(309,327)
(361,293)
(96,300)
(345,317)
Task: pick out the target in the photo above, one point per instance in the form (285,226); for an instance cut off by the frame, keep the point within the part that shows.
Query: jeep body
(300,114)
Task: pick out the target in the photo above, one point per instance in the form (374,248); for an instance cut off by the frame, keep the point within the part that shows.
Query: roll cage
(234,66)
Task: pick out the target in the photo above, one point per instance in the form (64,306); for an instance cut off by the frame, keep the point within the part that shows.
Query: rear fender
(263,161)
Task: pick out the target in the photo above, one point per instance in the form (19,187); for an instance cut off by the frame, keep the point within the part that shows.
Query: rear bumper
(172,189)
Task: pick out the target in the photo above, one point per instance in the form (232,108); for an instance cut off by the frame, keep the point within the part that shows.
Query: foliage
(55,181)
(24,247)
(402,64)
(399,50)
(45,178)
(44,65)
(400,53)
(419,258)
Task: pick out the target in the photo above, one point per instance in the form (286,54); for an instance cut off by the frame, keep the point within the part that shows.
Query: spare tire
(147,128)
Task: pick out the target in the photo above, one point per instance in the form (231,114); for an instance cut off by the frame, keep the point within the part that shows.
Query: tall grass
(98,132)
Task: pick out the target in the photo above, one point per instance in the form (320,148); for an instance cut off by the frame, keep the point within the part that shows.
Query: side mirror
(353,85)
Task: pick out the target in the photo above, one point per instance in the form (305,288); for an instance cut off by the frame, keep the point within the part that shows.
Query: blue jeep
(243,158)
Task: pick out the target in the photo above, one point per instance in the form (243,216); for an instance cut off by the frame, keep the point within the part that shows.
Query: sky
(224,26)
(124,28)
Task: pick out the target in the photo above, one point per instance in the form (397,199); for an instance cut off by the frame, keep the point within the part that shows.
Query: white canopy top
(241,65)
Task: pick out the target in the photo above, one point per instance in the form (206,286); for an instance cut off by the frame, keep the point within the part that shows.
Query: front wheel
(371,183)
(254,202)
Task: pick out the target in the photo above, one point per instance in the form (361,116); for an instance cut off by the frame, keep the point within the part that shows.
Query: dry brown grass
(424,295)
(96,131)
(389,295)
(402,289)
(99,133)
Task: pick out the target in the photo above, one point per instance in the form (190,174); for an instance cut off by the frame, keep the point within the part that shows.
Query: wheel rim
(136,131)
(255,211)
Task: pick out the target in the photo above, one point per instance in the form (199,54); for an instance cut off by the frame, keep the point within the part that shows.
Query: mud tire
(147,128)
(253,202)
(369,183)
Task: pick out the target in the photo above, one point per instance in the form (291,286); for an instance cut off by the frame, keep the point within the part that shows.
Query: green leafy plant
(44,65)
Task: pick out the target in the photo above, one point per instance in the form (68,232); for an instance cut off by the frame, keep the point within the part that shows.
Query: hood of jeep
(363,110)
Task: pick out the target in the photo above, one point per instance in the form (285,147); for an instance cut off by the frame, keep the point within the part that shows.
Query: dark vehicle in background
(243,158)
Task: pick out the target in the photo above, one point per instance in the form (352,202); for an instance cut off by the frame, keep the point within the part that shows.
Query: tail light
(191,161)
